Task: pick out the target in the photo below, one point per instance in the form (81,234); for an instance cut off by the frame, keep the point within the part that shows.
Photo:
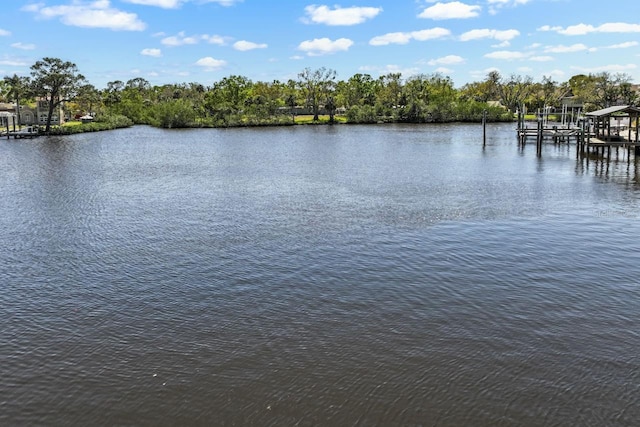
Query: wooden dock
(23,133)
(604,146)
(552,134)
(595,135)
(586,142)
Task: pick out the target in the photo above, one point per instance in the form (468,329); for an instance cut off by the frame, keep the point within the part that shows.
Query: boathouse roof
(614,109)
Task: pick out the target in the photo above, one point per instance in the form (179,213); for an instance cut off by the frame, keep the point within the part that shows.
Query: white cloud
(390,38)
(151,52)
(504,35)
(94,14)
(505,54)
(444,70)
(211,64)
(578,47)
(23,46)
(215,39)
(165,4)
(174,4)
(180,39)
(430,34)
(340,16)
(391,68)
(541,58)
(546,28)
(508,2)
(223,2)
(495,5)
(576,30)
(618,27)
(624,45)
(583,29)
(244,45)
(296,57)
(447,60)
(324,46)
(4,32)
(404,38)
(504,44)
(452,10)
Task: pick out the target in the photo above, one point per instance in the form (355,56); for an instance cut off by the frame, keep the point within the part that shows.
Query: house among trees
(30,116)
(7,121)
(42,113)
(7,108)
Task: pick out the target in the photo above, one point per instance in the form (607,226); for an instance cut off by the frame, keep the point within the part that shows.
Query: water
(348,275)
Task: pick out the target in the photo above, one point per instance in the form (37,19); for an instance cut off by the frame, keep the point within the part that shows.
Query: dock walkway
(20,134)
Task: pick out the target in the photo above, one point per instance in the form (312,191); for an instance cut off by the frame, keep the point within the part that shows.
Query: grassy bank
(107,122)
(322,119)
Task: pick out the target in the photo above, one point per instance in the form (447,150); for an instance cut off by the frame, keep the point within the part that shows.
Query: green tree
(235,91)
(195,92)
(360,89)
(389,91)
(17,88)
(512,91)
(266,98)
(316,86)
(583,87)
(624,89)
(483,92)
(55,81)
(139,84)
(88,99)
(330,106)
(606,93)
(112,94)
(176,113)
(290,93)
(547,93)
(628,96)
(227,99)
(601,90)
(442,98)
(136,100)
(416,93)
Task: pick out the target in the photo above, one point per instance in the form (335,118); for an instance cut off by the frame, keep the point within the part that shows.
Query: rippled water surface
(374,275)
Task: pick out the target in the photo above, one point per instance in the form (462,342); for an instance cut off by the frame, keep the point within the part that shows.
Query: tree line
(238,101)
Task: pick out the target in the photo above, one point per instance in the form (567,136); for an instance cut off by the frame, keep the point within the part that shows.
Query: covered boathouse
(615,126)
(610,124)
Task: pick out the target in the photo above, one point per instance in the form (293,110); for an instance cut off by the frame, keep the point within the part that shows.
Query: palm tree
(18,87)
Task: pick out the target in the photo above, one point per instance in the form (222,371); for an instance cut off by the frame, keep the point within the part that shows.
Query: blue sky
(180,41)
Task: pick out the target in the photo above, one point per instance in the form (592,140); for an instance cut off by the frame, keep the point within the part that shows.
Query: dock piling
(484,128)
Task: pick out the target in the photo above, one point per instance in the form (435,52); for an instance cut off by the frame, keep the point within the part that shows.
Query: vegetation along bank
(316,96)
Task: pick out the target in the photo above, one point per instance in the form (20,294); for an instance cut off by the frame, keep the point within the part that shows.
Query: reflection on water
(369,275)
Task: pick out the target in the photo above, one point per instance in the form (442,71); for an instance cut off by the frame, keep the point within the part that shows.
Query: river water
(347,275)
